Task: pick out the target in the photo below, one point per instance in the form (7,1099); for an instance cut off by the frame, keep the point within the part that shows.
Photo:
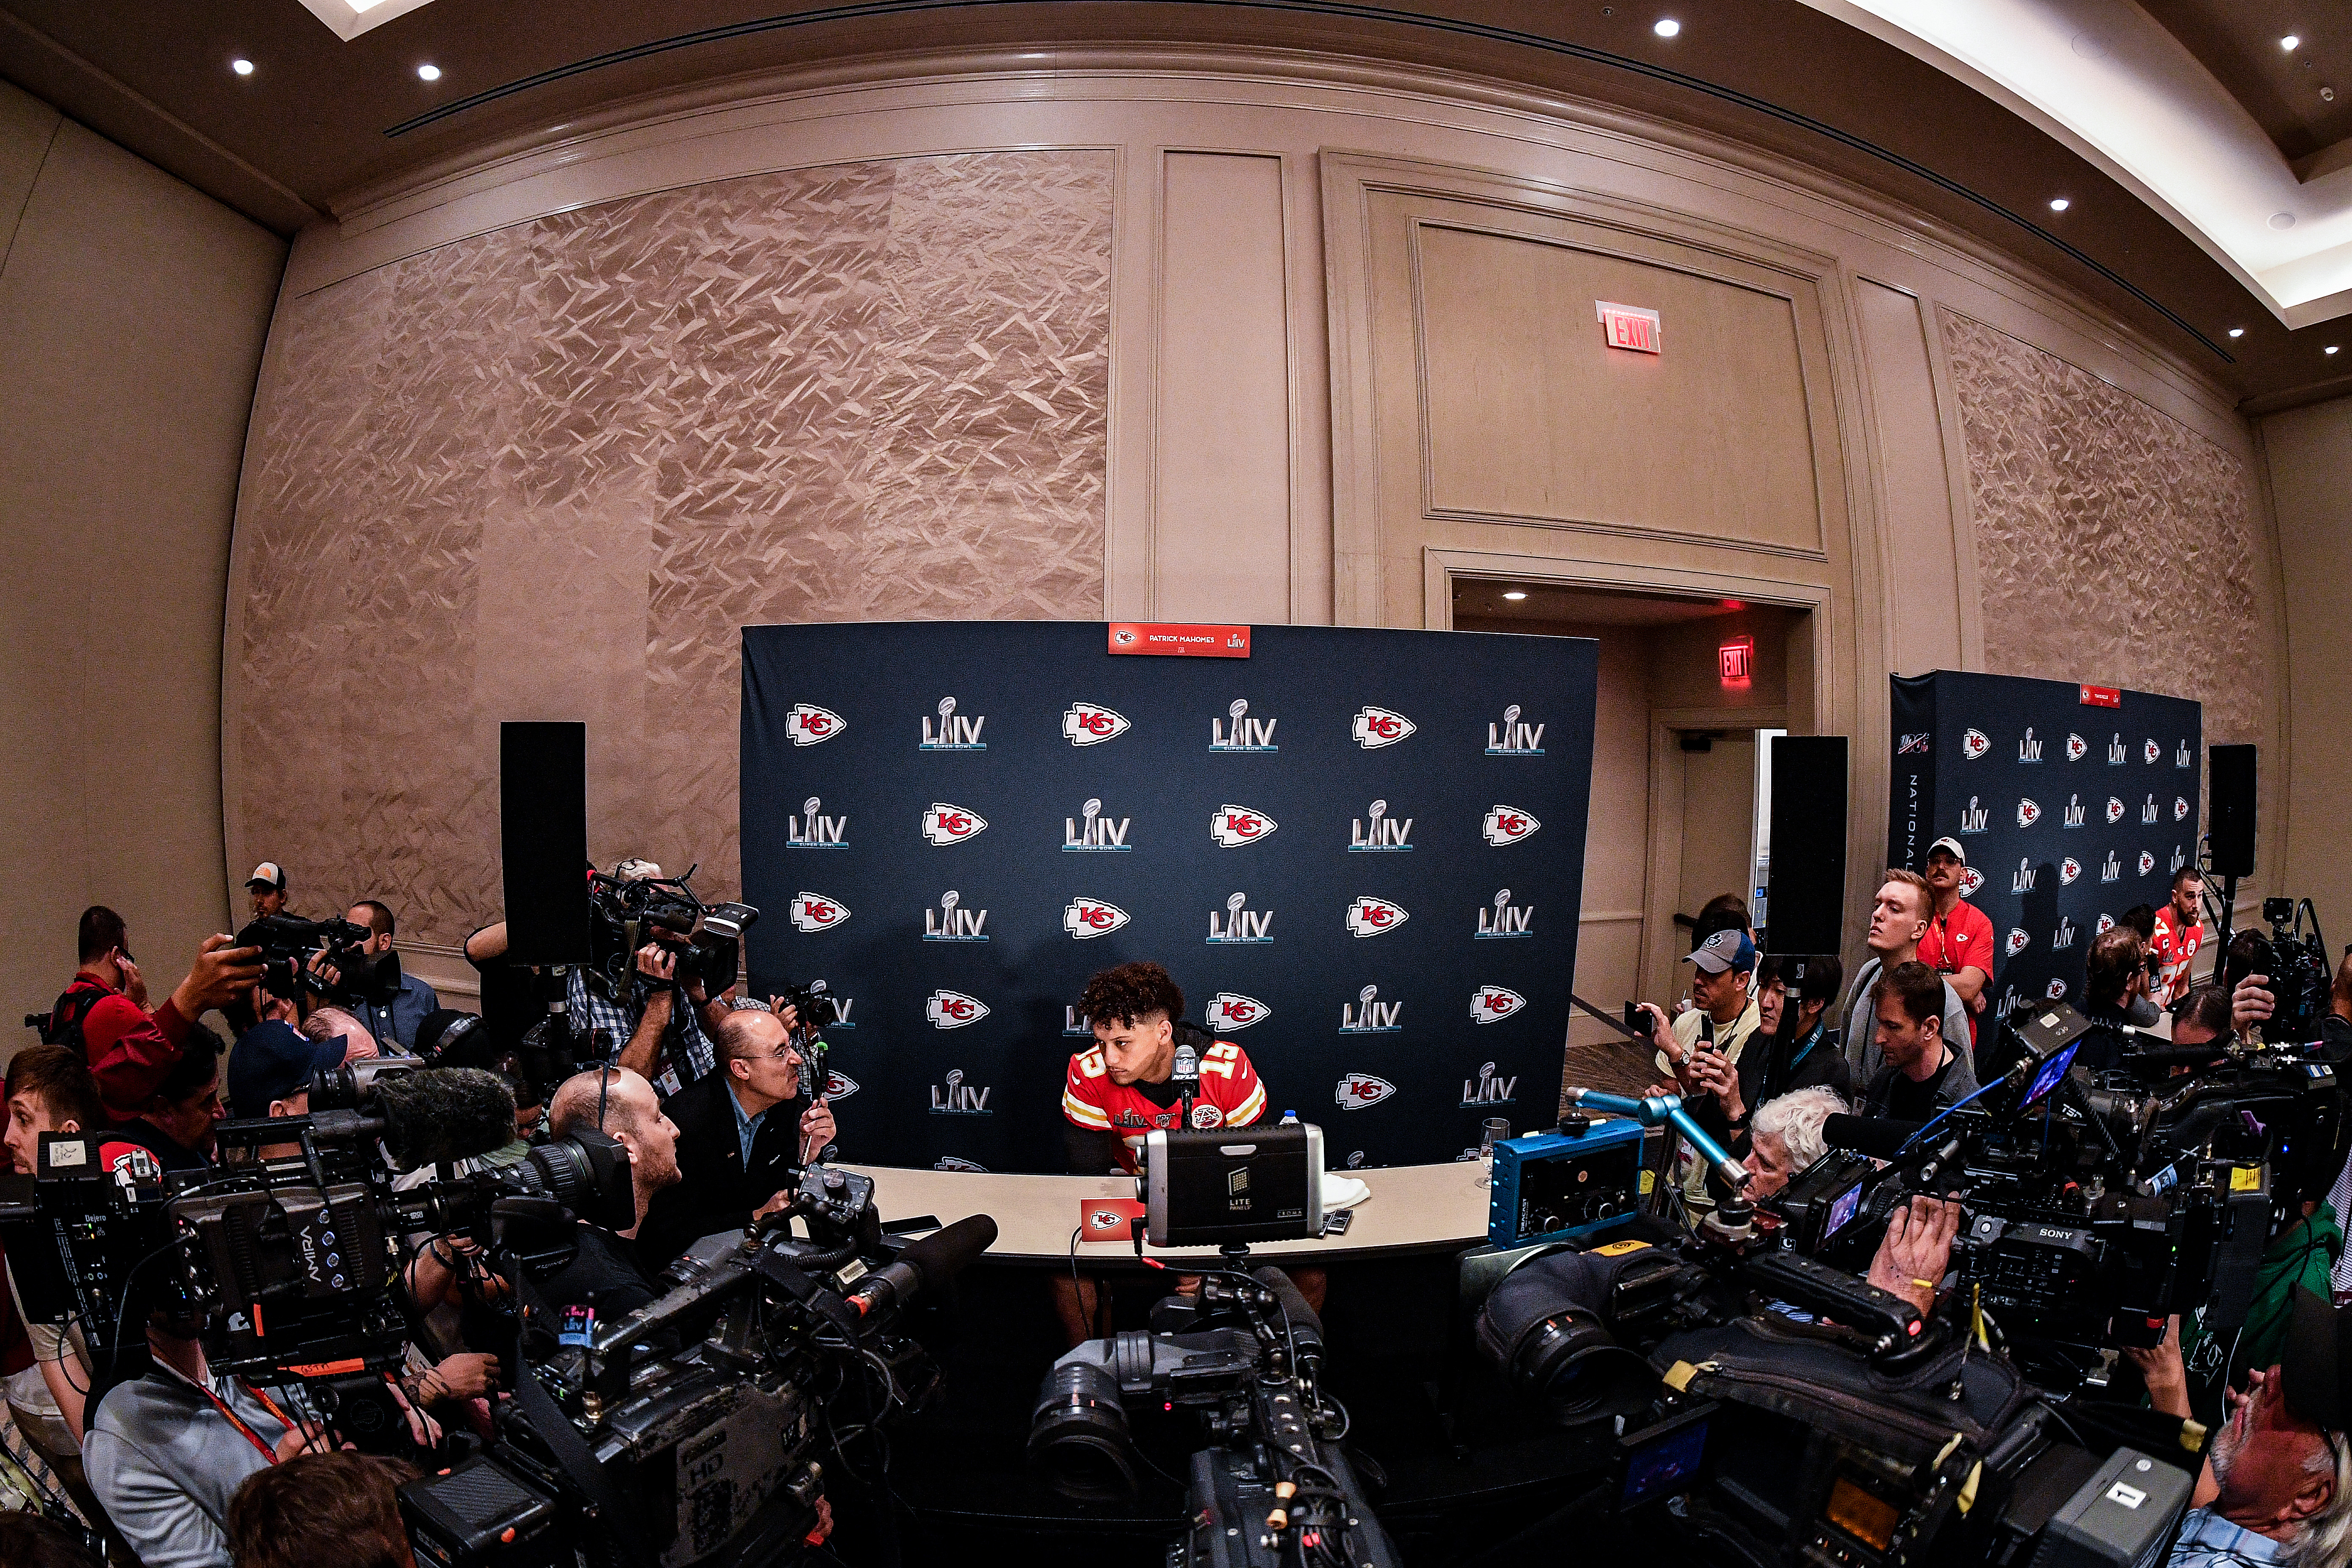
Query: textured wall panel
(551,471)
(2114,543)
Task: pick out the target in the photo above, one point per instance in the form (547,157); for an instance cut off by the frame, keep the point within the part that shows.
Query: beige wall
(1161,333)
(2310,466)
(131,316)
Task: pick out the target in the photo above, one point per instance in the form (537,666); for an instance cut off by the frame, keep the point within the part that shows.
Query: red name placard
(1628,327)
(1168,637)
(1109,1219)
(2102,697)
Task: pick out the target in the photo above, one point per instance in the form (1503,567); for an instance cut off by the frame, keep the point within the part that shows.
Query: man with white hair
(1785,1138)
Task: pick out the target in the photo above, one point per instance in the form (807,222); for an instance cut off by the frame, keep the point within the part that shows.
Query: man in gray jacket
(1898,919)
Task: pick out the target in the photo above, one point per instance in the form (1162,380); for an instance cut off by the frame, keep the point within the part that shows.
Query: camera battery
(1553,1187)
(481,1512)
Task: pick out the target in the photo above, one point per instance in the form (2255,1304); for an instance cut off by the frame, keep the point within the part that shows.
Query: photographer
(103,1013)
(177,1122)
(1790,1049)
(661,1042)
(607,1275)
(1923,1073)
(2115,979)
(1898,921)
(396,1018)
(1723,1017)
(743,1134)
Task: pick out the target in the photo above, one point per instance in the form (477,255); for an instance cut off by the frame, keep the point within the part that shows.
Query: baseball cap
(1723,950)
(271,1061)
(1954,846)
(2314,1358)
(268,874)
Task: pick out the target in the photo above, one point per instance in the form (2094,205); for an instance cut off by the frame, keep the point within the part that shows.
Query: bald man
(607,1275)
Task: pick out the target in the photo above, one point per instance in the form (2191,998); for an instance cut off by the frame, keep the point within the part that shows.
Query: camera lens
(1573,1367)
(1078,1441)
(591,1179)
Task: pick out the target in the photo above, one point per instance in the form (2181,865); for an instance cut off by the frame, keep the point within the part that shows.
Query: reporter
(609,1273)
(2115,976)
(321,1507)
(176,1123)
(2202,1017)
(1785,1138)
(1923,1073)
(103,1013)
(50,1089)
(1721,1024)
(1898,922)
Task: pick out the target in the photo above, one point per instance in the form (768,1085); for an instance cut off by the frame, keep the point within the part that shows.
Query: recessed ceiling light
(1515,595)
(1667,27)
(2331,348)
(2289,42)
(429,73)
(2059,204)
(242,68)
(2237,331)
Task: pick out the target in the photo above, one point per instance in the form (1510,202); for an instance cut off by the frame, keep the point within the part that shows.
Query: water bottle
(1289,1119)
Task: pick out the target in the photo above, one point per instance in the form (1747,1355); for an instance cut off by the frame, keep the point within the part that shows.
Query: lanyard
(252,1436)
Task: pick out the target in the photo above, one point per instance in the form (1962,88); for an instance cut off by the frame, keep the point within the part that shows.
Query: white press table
(1412,1208)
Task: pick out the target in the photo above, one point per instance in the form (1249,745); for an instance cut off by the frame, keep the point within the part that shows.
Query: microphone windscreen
(942,1255)
(444,1113)
(1872,1135)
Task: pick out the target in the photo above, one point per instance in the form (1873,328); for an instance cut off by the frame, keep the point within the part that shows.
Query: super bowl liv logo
(1502,919)
(1513,739)
(956,733)
(1240,732)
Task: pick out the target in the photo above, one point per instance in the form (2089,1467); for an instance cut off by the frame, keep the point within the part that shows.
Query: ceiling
(1835,83)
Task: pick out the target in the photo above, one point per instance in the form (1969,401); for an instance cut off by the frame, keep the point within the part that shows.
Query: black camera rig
(327,960)
(705,941)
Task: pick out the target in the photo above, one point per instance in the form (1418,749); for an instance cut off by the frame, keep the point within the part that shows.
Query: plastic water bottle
(1289,1119)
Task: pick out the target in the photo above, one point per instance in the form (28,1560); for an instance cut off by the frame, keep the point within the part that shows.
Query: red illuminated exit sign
(1628,327)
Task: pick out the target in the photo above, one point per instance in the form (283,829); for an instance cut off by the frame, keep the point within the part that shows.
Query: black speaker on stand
(543,839)
(2230,778)
(1806,912)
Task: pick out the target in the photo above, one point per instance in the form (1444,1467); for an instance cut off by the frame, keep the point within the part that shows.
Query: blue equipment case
(1555,1187)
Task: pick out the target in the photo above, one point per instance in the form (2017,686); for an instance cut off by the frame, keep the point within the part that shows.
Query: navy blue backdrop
(1361,854)
(2071,811)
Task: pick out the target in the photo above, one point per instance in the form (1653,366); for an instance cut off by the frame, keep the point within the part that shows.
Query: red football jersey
(1961,940)
(1231,1095)
(2175,948)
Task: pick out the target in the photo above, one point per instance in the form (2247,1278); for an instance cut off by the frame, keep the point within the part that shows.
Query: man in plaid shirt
(658,1039)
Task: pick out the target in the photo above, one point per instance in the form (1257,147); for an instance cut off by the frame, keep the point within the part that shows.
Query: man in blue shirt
(395,1019)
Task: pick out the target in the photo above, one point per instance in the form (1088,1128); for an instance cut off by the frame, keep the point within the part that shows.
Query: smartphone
(1634,1023)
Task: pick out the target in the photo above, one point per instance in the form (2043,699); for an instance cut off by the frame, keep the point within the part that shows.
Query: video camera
(706,939)
(2301,977)
(623,1447)
(289,944)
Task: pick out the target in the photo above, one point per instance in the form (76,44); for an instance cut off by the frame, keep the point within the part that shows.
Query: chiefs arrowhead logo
(2179,806)
(2147,862)
(1370,917)
(1375,727)
(944,823)
(1507,824)
(2106,923)
(2057,991)
(2028,813)
(1206,1116)
(2068,869)
(2077,748)
(807,724)
(1491,1004)
(1230,1010)
(1084,724)
(815,912)
(1234,825)
(1359,1089)
(2149,752)
(839,1085)
(1086,918)
(2016,942)
(2114,809)
(1975,743)
(1970,880)
(953,1009)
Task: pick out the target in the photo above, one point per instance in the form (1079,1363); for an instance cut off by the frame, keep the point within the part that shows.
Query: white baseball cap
(268,874)
(1954,846)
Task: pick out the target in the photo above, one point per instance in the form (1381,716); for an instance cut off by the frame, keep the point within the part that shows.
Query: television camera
(327,959)
(705,940)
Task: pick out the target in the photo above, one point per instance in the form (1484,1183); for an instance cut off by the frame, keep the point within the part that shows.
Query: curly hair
(1130,992)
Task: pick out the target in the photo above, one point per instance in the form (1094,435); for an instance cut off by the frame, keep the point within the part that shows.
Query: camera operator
(666,1043)
(1959,943)
(397,1019)
(2277,1484)
(266,888)
(1785,1138)
(320,1507)
(103,1013)
(1723,1017)
(607,1274)
(1923,1073)
(177,1122)
(2244,972)
(1898,921)
(335,1027)
(743,1134)
(2179,931)
(50,1089)
(2115,977)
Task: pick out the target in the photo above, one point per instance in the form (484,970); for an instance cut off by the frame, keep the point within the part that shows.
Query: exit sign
(1628,327)
(1736,659)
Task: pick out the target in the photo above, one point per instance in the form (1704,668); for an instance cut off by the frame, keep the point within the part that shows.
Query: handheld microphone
(925,1265)
(1187,1077)
(1871,1135)
(444,1113)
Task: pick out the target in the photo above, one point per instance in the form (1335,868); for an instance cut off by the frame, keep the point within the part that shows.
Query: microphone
(1187,1075)
(444,1113)
(1875,1136)
(925,1265)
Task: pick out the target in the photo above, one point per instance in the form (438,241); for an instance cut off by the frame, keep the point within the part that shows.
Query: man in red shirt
(1959,942)
(103,1011)
(2180,932)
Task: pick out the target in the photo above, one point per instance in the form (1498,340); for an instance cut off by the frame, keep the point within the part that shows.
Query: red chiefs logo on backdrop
(1492,1003)
(1507,824)
(2056,990)
(807,724)
(2106,923)
(1084,917)
(1087,724)
(2179,806)
(2028,813)
(2077,748)
(2016,942)
(1230,1010)
(1234,825)
(2149,752)
(1370,917)
(1359,1089)
(953,1009)
(1970,880)
(1375,727)
(944,824)
(2147,862)
(1975,743)
(2114,808)
(2069,868)
(815,912)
